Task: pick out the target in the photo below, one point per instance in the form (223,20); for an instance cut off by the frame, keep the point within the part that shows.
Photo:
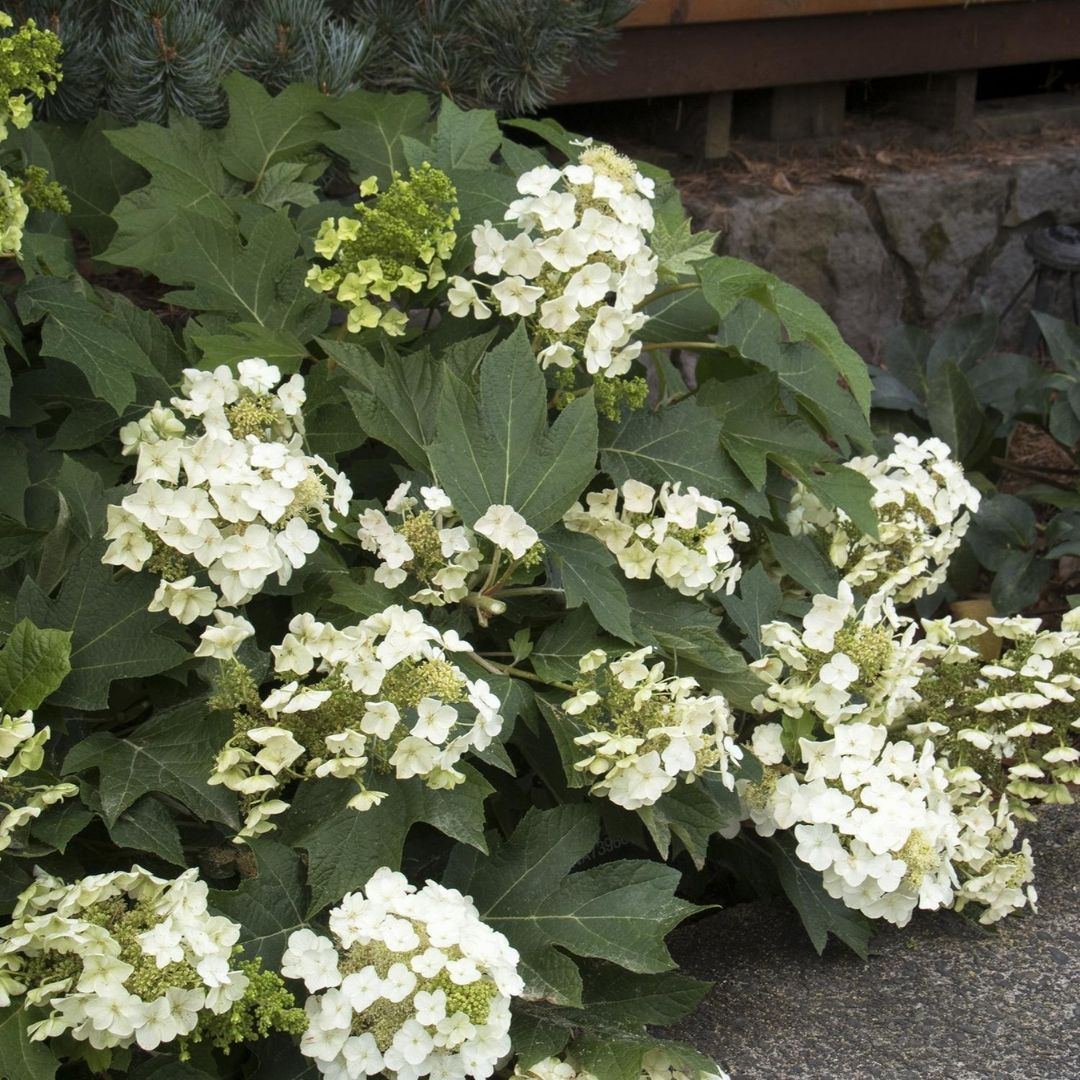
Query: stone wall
(923,245)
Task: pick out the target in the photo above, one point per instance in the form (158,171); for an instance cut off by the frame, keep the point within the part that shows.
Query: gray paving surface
(940,1000)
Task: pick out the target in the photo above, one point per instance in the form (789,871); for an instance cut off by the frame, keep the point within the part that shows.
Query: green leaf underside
(33,663)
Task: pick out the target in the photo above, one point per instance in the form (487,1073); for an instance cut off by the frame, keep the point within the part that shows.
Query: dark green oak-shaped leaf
(756,603)
(371,128)
(102,334)
(803,560)
(821,915)
(756,334)
(113,636)
(21,1059)
(265,129)
(149,825)
(726,281)
(754,430)
(394,401)
(493,444)
(269,906)
(694,813)
(184,162)
(680,443)
(172,753)
(589,575)
(345,846)
(464,138)
(246,278)
(618,911)
(560,647)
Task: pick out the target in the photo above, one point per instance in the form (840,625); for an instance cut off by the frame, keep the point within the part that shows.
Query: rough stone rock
(823,242)
(924,246)
(941,228)
(942,999)
(1048,190)
(1000,285)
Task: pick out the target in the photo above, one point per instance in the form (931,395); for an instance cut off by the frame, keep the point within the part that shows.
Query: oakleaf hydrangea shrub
(366,617)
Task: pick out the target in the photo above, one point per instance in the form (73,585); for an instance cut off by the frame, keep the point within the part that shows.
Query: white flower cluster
(234,497)
(645,732)
(434,546)
(1012,721)
(924,506)
(660,532)
(887,826)
(872,815)
(842,662)
(119,958)
(382,696)
(579,265)
(655,1065)
(927,816)
(22,750)
(413,984)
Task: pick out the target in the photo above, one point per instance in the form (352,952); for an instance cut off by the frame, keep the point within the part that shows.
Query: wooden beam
(709,57)
(674,12)
(944,100)
(787,113)
(698,125)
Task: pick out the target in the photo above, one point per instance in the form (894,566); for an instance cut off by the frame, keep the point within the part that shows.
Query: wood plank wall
(668,12)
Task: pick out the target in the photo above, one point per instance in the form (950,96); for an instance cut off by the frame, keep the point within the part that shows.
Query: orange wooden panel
(667,12)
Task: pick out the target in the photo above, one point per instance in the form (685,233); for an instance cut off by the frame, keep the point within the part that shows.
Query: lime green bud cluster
(396,243)
(29,67)
(13,211)
(253,414)
(266,1006)
(612,395)
(41,193)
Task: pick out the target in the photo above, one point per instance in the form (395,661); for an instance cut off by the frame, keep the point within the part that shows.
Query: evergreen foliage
(142,59)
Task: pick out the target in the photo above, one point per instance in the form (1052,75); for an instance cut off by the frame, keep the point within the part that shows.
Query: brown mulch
(859,159)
